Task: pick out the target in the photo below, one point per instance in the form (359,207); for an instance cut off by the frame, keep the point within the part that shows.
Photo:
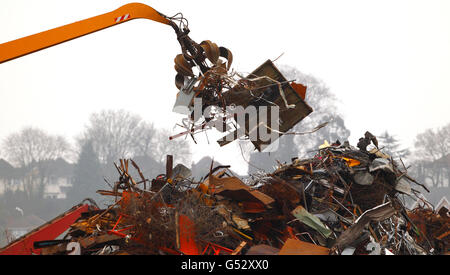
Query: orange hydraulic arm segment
(26,45)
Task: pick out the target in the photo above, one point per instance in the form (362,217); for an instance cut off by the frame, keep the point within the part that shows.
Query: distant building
(60,174)
(57,174)
(6,169)
(201,168)
(8,174)
(148,166)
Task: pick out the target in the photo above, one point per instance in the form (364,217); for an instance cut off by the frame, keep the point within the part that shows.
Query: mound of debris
(344,200)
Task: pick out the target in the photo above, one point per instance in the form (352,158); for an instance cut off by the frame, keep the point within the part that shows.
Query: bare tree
(32,150)
(432,151)
(323,102)
(325,109)
(34,145)
(432,144)
(144,142)
(432,161)
(391,146)
(179,148)
(117,134)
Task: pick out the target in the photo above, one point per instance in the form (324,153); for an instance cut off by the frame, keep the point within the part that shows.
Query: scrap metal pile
(344,200)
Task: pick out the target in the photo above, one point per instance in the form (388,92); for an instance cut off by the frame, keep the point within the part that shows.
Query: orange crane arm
(29,44)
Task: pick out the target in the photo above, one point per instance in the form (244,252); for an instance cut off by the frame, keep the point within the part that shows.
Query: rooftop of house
(58,168)
(6,169)
(24,222)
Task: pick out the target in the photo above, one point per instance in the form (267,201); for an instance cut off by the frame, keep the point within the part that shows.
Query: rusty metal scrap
(221,91)
(343,200)
(379,213)
(297,247)
(431,229)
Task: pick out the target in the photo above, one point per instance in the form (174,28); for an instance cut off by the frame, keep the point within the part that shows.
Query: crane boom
(29,44)
(211,81)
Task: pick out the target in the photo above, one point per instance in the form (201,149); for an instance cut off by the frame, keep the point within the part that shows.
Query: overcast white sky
(388,62)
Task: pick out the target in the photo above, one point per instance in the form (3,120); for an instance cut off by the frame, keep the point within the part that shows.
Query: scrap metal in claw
(216,85)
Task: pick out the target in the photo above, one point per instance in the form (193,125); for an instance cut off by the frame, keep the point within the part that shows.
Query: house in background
(57,175)
(7,175)
(60,175)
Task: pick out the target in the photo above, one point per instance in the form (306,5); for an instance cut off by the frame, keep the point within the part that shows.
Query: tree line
(38,158)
